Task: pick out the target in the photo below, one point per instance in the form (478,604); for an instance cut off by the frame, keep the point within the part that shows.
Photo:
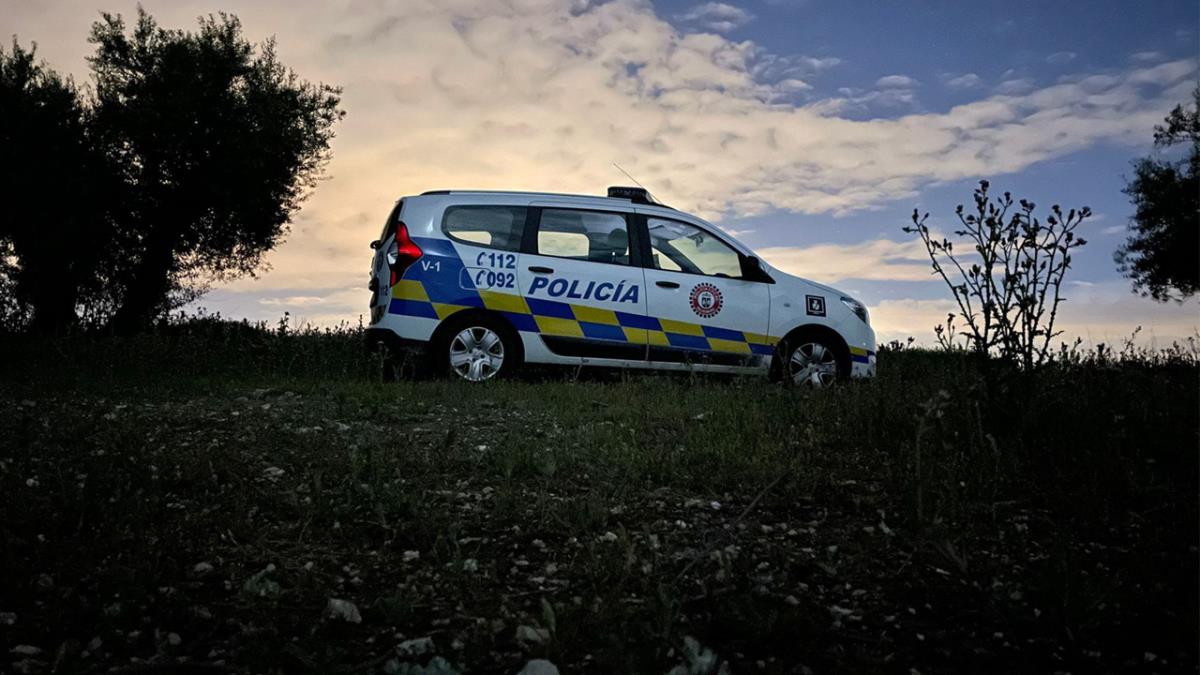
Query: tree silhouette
(53,223)
(1162,254)
(216,144)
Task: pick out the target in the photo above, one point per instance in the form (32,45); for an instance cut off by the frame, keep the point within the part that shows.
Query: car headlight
(859,309)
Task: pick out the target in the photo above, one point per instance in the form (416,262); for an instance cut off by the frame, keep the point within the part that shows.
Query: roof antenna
(636,181)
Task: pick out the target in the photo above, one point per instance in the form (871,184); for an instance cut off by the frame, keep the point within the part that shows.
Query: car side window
(592,236)
(491,226)
(680,247)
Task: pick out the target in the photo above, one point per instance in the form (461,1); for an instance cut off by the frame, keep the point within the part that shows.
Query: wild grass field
(221,498)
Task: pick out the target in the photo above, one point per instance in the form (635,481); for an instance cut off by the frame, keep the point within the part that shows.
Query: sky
(810,129)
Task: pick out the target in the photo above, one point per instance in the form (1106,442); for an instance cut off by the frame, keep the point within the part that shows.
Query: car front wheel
(809,361)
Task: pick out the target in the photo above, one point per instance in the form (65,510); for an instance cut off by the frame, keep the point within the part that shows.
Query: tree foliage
(1008,287)
(1162,253)
(53,218)
(217,142)
(183,165)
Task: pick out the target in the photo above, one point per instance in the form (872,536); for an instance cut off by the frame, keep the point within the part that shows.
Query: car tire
(478,348)
(811,360)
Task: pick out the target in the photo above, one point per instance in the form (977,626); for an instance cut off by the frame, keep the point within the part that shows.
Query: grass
(199,495)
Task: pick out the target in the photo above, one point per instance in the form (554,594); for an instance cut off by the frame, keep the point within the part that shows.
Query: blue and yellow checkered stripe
(860,355)
(438,286)
(550,317)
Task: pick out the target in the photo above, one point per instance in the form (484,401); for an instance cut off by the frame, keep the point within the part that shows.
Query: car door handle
(666,284)
(541,270)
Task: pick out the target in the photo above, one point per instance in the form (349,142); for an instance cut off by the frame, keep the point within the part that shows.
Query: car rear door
(579,275)
(696,288)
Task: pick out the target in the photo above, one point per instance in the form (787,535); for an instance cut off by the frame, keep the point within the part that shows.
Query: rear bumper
(379,339)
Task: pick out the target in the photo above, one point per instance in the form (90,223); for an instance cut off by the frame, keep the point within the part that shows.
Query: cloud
(1095,312)
(1147,57)
(854,100)
(294,301)
(1060,58)
(1019,85)
(768,67)
(896,82)
(793,85)
(717,16)
(737,233)
(545,94)
(967,81)
(877,260)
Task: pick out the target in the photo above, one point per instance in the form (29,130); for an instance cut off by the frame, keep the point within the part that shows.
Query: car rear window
(491,226)
(389,225)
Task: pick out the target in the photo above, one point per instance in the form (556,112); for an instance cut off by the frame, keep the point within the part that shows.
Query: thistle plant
(1008,288)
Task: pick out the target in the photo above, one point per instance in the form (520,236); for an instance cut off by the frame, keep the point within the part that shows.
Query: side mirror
(376,244)
(753,270)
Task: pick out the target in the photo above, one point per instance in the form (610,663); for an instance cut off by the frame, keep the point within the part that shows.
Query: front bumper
(862,366)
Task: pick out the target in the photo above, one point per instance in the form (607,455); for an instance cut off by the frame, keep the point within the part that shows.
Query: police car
(478,283)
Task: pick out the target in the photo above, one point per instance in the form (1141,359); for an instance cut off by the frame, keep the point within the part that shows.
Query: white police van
(478,283)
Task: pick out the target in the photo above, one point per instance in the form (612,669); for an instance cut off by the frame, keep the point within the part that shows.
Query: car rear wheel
(480,349)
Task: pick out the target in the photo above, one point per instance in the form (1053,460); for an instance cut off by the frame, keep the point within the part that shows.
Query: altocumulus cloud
(717,16)
(876,260)
(544,94)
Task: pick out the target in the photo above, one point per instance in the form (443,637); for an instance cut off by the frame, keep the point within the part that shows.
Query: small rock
(25,650)
(29,667)
(532,635)
(174,640)
(410,556)
(343,610)
(415,647)
(539,667)
(202,568)
(8,618)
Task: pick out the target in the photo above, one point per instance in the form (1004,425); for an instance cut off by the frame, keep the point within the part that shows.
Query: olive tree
(217,144)
(53,223)
(1161,255)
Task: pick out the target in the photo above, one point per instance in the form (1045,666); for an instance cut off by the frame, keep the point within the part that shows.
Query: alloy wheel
(477,354)
(813,364)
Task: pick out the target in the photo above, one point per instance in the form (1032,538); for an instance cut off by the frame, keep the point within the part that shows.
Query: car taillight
(402,253)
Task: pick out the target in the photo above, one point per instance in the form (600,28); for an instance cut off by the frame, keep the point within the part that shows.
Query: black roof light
(637,195)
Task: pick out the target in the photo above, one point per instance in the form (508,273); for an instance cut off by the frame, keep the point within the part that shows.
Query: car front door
(580,278)
(707,309)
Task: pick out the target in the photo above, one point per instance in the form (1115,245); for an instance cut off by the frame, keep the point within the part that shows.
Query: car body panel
(579,321)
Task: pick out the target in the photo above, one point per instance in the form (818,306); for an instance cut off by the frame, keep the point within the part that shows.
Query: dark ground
(199,498)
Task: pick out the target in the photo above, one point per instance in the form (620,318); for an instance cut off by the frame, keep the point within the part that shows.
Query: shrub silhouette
(1008,296)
